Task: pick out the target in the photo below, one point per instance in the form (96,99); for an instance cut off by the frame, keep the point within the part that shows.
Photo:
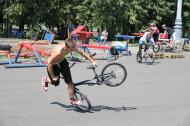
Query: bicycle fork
(96,76)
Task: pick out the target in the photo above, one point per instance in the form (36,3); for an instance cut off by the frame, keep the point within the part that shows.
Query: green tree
(117,16)
(186,18)
(1,14)
(125,17)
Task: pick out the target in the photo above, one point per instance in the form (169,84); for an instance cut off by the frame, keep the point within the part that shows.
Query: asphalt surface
(152,95)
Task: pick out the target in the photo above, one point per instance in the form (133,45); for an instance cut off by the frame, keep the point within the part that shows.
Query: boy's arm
(86,56)
(145,38)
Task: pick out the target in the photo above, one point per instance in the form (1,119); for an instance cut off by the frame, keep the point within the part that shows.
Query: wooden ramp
(159,55)
(168,55)
(174,55)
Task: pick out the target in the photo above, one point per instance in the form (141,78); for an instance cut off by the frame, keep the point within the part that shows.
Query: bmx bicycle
(113,74)
(148,56)
(154,45)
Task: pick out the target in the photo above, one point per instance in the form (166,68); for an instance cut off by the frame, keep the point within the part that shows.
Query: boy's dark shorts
(63,68)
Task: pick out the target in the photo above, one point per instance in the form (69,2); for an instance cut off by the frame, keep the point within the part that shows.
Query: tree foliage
(117,16)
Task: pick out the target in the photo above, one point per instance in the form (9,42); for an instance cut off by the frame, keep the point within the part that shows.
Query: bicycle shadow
(96,108)
(68,107)
(155,63)
(116,109)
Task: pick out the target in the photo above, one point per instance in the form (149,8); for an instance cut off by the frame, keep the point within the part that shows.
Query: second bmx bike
(147,55)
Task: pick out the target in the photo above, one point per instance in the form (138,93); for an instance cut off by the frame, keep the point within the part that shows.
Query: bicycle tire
(85,106)
(118,75)
(138,58)
(156,48)
(149,59)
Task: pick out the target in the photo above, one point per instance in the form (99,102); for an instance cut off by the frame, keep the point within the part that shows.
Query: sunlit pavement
(153,95)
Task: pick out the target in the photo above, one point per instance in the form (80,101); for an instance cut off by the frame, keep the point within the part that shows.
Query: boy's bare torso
(58,53)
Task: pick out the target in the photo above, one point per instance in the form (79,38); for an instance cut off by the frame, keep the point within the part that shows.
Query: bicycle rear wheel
(149,58)
(114,74)
(85,106)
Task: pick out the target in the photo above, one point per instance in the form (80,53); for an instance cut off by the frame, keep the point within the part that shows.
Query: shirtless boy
(57,63)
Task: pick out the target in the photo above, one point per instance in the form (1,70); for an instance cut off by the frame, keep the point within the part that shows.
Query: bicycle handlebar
(89,67)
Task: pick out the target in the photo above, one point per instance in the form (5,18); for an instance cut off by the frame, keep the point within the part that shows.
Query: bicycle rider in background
(145,40)
(170,32)
(156,31)
(57,63)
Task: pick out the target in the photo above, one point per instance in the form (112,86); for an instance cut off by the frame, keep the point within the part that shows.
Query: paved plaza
(152,95)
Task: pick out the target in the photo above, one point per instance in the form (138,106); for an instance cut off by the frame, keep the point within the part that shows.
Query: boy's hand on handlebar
(95,64)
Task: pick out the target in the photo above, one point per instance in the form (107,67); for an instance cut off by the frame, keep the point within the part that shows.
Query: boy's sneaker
(74,101)
(44,83)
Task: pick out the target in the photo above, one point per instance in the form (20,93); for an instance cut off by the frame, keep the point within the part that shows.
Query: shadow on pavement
(116,109)
(96,108)
(155,63)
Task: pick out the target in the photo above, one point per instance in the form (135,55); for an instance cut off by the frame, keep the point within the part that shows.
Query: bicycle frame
(147,45)
(100,79)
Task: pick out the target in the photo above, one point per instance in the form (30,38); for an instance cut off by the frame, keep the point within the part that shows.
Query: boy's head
(152,25)
(70,43)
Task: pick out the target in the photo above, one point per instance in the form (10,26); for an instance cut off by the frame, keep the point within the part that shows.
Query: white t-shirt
(104,35)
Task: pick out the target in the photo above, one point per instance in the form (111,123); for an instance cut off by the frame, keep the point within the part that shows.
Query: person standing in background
(104,37)
(170,32)
(99,37)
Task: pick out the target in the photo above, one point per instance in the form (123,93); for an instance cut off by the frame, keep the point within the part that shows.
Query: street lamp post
(178,22)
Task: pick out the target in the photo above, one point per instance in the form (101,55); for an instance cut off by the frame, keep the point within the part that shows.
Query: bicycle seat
(91,67)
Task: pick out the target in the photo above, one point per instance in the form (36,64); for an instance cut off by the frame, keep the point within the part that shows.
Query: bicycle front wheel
(114,74)
(149,58)
(156,48)
(85,105)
